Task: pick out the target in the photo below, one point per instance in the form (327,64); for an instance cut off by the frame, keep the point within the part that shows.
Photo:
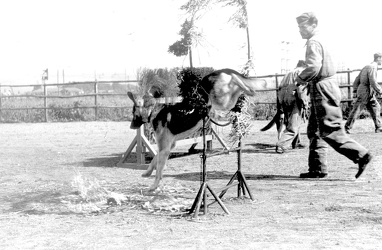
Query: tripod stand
(242,182)
(202,193)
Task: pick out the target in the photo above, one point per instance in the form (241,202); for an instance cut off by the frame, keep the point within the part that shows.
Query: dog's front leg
(151,167)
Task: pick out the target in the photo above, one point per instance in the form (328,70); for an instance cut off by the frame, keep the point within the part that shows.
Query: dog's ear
(131,96)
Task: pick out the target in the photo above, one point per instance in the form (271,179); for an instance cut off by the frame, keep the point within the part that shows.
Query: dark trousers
(372,106)
(290,137)
(325,126)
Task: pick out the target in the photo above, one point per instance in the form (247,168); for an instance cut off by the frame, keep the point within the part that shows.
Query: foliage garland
(240,119)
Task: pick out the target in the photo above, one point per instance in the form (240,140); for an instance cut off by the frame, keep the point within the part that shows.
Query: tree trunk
(250,8)
(248,44)
(190,54)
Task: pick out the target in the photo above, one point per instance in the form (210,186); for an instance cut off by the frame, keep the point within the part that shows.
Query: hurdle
(242,185)
(143,146)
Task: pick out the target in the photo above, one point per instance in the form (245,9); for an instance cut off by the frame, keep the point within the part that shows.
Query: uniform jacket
(366,85)
(320,70)
(318,60)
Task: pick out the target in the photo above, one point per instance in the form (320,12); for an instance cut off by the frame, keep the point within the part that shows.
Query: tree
(195,9)
(183,46)
(191,37)
(240,18)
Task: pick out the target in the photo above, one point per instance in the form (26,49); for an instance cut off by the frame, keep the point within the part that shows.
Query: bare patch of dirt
(61,189)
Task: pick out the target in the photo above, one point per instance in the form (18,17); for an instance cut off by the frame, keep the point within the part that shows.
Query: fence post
(277,86)
(0,103)
(349,88)
(45,102)
(96,100)
(277,83)
(277,90)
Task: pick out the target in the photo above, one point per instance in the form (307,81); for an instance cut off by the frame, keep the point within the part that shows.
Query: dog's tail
(277,119)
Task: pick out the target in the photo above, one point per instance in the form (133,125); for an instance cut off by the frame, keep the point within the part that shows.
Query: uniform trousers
(372,105)
(326,126)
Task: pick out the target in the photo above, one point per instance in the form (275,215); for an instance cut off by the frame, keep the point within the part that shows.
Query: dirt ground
(58,180)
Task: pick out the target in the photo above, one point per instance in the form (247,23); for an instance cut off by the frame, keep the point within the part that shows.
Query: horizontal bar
(193,140)
(63,97)
(127,81)
(223,152)
(84,107)
(68,83)
(122,107)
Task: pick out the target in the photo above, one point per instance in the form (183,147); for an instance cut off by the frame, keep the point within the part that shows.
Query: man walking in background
(291,110)
(325,125)
(366,89)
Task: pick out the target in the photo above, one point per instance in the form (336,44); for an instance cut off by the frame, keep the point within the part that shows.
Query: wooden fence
(45,96)
(345,79)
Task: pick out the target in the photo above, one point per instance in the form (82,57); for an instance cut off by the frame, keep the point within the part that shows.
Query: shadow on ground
(112,160)
(223,175)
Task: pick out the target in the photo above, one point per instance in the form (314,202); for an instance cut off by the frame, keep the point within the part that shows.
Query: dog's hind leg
(280,125)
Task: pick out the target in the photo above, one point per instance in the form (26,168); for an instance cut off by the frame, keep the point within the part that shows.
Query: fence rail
(45,96)
(96,93)
(348,85)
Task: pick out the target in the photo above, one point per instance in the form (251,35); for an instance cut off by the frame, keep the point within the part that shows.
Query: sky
(78,39)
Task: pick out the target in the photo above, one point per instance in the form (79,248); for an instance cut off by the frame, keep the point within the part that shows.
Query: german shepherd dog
(290,97)
(219,90)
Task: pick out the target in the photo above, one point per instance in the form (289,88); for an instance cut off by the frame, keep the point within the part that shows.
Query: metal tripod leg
(202,193)
(242,184)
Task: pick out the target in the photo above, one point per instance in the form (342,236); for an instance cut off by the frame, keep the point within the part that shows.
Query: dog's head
(302,96)
(142,109)
(302,90)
